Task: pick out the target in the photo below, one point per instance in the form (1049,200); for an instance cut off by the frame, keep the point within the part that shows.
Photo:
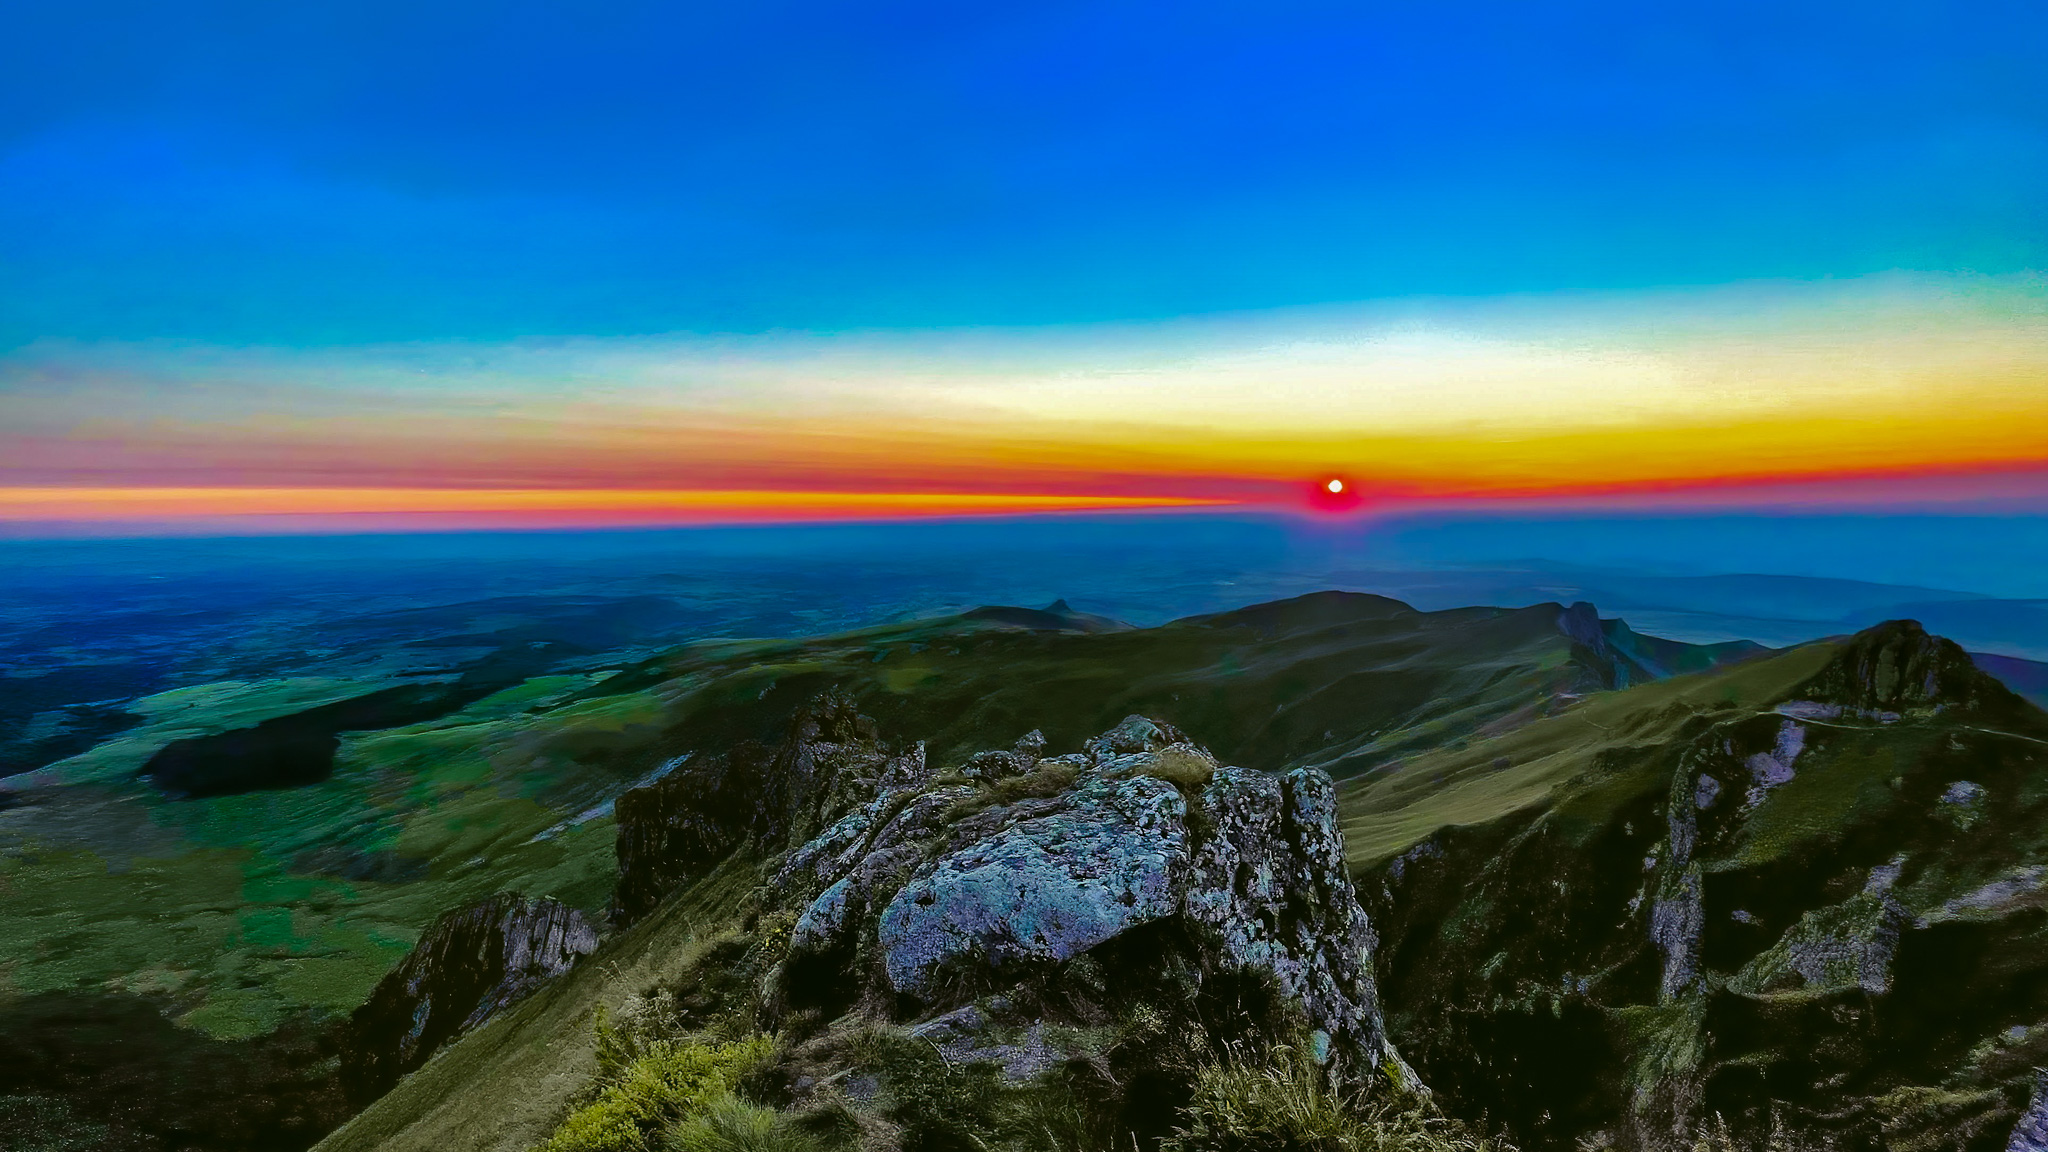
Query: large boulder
(1046,886)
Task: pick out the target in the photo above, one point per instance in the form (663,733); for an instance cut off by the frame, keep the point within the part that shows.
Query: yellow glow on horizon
(1889,376)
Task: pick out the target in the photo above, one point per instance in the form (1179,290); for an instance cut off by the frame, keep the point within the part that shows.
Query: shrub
(730,1124)
(940,1107)
(1050,778)
(667,1082)
(1182,765)
(1286,1104)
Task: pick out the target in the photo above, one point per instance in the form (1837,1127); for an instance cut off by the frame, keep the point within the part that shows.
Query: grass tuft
(1285,1103)
(730,1124)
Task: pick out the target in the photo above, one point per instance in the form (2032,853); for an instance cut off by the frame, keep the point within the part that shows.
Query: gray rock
(1271,883)
(1133,734)
(822,924)
(1963,792)
(861,865)
(967,1036)
(1768,770)
(1706,792)
(1676,921)
(1046,888)
(2031,1133)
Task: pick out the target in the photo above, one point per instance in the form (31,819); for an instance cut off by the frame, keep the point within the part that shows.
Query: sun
(1327,493)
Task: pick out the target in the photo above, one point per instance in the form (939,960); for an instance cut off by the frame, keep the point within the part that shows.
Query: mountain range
(208,902)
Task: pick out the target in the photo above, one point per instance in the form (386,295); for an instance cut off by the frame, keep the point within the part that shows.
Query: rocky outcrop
(1897,668)
(468,965)
(945,889)
(2031,1133)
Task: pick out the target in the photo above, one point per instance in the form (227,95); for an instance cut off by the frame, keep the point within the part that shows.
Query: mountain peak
(1581,623)
(1058,616)
(1900,667)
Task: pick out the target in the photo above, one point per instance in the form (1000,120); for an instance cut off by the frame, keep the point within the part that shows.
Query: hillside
(1796,897)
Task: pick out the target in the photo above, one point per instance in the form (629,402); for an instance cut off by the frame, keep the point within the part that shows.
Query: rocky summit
(915,891)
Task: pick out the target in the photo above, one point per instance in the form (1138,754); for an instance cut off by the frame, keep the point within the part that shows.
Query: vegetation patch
(1286,1103)
(673,1081)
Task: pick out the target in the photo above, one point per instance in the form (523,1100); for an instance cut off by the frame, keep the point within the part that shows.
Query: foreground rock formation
(984,906)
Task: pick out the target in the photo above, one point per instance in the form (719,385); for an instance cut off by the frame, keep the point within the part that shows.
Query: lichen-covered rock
(1043,888)
(1848,945)
(926,896)
(2031,1133)
(468,966)
(1132,735)
(1271,882)
(968,1036)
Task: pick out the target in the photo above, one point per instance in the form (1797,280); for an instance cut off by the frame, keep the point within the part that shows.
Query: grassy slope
(107,886)
(1344,680)
(1389,811)
(506,1086)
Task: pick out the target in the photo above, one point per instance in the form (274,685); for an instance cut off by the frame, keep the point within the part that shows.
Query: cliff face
(750,796)
(1823,919)
(469,965)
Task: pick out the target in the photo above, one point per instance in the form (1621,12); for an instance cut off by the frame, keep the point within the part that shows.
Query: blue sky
(322,174)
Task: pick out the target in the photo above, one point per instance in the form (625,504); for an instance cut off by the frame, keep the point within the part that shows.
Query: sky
(370,266)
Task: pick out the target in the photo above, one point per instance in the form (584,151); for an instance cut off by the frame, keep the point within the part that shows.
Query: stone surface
(1044,888)
(1271,882)
(966,1035)
(468,966)
(2031,1133)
